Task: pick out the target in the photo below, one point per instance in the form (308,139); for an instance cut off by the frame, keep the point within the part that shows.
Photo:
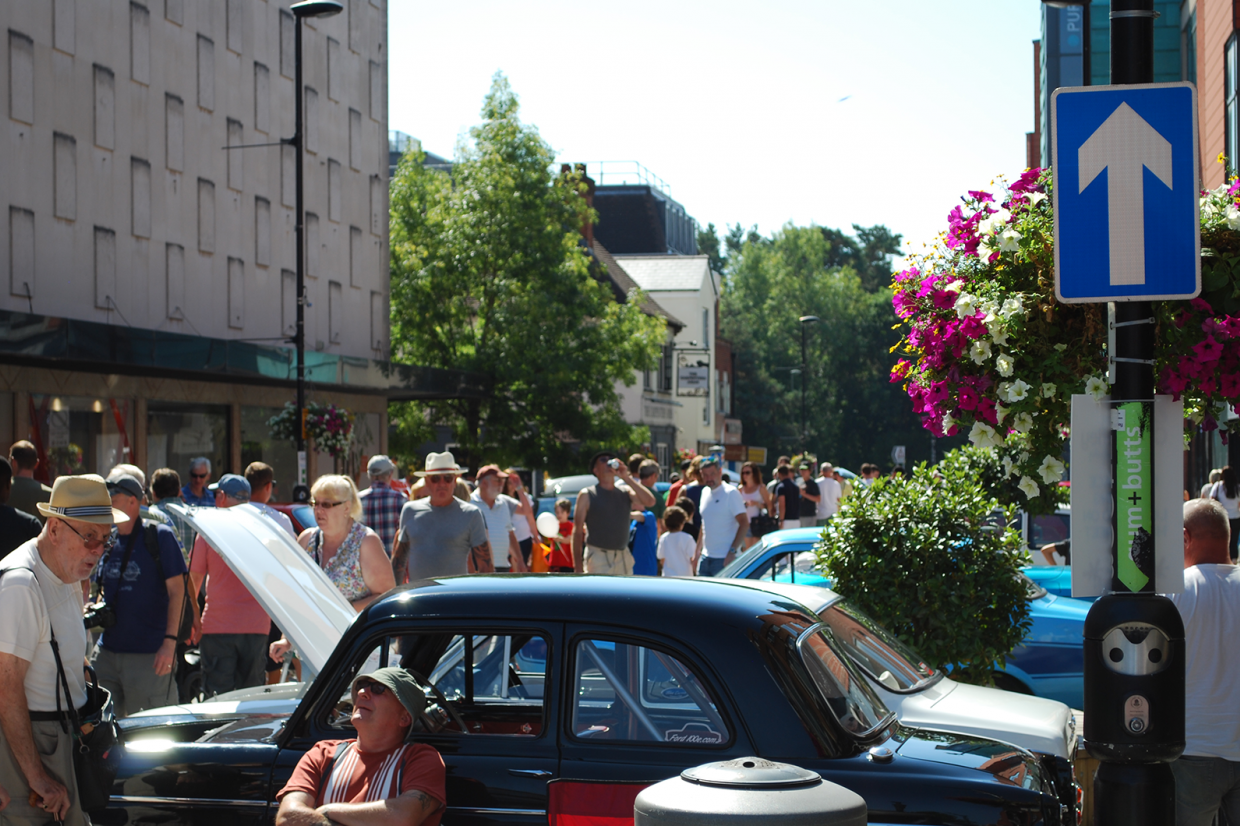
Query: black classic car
(538,678)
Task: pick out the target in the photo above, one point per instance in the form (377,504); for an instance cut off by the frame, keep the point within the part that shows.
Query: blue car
(1056,579)
(1048,663)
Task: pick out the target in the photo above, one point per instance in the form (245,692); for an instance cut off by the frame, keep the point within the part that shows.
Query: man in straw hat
(376,778)
(41,595)
(440,535)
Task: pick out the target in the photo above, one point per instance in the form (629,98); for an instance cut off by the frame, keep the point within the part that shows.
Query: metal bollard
(748,790)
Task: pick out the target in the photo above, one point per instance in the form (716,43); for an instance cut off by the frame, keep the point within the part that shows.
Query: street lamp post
(806,320)
(307,8)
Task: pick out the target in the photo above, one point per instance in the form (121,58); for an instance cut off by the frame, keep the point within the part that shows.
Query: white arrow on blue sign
(1125,173)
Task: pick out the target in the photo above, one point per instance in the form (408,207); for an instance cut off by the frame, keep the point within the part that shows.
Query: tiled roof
(661,273)
(625,284)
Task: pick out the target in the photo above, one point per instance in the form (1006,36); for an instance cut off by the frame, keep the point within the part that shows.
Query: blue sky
(826,112)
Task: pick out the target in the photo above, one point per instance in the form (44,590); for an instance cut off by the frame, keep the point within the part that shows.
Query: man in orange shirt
(234,626)
(376,778)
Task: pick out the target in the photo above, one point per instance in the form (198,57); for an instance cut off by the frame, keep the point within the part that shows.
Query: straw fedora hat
(84,498)
(440,463)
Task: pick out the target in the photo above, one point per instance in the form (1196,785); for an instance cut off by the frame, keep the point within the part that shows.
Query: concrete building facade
(147,191)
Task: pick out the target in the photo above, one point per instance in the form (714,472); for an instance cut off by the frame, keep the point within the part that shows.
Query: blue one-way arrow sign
(1125,172)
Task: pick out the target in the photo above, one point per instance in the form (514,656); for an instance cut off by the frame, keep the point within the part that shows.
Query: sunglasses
(445,479)
(199,475)
(315,503)
(375,688)
(108,542)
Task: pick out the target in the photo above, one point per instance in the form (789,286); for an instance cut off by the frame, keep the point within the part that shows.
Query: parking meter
(1134,679)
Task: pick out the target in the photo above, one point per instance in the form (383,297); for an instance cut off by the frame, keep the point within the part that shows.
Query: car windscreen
(841,684)
(878,651)
(1032,589)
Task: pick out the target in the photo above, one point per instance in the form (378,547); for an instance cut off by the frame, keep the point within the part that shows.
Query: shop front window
(178,433)
(79,434)
(257,445)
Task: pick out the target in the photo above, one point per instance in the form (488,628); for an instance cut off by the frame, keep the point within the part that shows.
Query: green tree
(869,254)
(854,413)
(490,275)
(925,554)
(708,245)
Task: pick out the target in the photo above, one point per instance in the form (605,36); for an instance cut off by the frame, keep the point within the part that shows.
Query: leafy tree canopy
(854,413)
(489,275)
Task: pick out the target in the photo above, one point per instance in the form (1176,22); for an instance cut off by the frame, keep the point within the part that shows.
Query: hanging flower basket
(988,350)
(328,426)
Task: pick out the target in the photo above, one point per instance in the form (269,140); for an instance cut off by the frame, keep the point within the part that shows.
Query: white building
(128,211)
(687,381)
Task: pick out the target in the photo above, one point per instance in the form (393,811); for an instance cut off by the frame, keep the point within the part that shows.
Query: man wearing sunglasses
(196,492)
(377,777)
(440,535)
(41,595)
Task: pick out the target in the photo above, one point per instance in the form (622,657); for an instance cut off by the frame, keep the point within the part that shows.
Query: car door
(641,708)
(493,701)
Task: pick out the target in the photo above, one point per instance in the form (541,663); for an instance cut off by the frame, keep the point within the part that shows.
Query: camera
(99,615)
(614,464)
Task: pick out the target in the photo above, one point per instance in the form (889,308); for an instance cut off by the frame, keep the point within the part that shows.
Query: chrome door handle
(529,772)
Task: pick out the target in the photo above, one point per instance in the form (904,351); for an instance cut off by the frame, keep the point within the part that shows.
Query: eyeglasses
(315,503)
(91,543)
(746,473)
(376,688)
(445,479)
(199,475)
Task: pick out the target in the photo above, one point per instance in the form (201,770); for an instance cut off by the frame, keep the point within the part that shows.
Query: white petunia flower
(1048,390)
(1000,410)
(980,351)
(1005,364)
(1012,307)
(987,225)
(984,251)
(954,287)
(948,422)
(1028,487)
(983,435)
(1051,470)
(1036,198)
(1232,216)
(1009,240)
(966,305)
(995,328)
(1096,387)
(1008,466)
(1017,391)
(1022,423)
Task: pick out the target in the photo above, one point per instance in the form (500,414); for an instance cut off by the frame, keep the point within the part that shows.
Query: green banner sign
(1134,495)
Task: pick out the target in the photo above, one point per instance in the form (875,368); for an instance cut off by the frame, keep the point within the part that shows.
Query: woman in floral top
(350,553)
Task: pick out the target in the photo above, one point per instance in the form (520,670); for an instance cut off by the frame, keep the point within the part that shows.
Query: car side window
(626,692)
(785,567)
(475,682)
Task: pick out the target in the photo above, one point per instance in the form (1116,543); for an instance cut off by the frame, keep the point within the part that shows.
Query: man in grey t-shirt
(440,535)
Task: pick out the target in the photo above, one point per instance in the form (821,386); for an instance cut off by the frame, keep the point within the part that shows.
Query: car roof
(811,535)
(635,601)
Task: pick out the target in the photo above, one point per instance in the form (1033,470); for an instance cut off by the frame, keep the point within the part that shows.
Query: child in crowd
(561,559)
(677,550)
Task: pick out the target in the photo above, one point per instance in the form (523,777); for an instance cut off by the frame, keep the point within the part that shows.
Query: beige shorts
(602,561)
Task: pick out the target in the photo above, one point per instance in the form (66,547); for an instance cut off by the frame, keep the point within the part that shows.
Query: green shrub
(988,466)
(926,557)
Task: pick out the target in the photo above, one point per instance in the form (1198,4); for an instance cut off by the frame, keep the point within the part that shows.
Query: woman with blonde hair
(350,553)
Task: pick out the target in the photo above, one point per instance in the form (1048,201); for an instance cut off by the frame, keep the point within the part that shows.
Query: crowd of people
(113,550)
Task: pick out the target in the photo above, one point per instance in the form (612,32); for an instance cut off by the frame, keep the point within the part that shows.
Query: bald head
(1206,533)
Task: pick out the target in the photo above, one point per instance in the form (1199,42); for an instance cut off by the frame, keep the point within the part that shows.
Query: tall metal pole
(804,380)
(1134,705)
(299,231)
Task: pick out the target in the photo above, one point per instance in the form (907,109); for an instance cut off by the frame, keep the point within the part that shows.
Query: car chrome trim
(467,810)
(186,801)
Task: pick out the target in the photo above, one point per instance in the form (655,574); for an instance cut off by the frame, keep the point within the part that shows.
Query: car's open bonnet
(287,583)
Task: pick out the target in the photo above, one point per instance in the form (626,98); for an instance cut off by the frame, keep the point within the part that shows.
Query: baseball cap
(233,485)
(708,460)
(125,483)
(487,470)
(401,683)
(602,454)
(379,465)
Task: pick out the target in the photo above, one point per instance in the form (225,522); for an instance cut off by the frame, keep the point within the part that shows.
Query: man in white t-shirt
(497,511)
(724,521)
(1207,775)
(830,491)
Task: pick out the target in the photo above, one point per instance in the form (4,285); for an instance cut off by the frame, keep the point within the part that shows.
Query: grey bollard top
(748,790)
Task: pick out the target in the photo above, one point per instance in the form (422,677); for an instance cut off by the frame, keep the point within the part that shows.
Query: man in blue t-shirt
(645,545)
(142,579)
